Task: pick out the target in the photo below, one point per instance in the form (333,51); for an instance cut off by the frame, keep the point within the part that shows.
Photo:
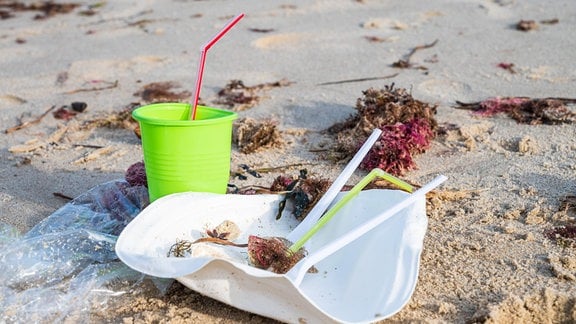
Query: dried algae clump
(408,126)
(240,97)
(136,175)
(156,92)
(251,135)
(563,235)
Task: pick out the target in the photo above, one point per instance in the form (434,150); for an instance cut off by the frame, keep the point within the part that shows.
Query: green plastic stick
(375,173)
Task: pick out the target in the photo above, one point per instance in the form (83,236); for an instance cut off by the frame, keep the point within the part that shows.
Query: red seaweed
(408,126)
(396,146)
(525,110)
(136,175)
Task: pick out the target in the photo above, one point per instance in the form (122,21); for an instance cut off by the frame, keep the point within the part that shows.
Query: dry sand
(485,256)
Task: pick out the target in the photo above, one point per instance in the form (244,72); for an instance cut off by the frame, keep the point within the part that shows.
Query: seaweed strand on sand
(525,110)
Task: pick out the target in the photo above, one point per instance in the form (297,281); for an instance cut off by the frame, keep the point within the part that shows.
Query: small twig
(111,86)
(282,167)
(28,123)
(219,241)
(421,47)
(358,80)
(88,146)
(63,196)
(405,63)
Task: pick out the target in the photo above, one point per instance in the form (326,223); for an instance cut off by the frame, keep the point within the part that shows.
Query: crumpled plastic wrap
(66,264)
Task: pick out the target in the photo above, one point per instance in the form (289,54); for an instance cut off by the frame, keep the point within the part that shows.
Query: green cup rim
(139,115)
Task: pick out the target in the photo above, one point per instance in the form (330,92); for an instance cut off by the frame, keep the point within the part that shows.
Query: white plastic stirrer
(321,206)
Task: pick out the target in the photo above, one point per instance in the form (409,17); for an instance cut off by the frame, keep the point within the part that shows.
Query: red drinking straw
(205,49)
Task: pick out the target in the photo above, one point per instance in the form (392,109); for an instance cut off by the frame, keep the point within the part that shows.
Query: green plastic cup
(182,154)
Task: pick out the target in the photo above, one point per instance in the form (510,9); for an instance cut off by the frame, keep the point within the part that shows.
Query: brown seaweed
(45,9)
(157,92)
(251,135)
(240,97)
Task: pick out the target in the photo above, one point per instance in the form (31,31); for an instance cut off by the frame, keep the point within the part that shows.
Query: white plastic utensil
(322,204)
(296,274)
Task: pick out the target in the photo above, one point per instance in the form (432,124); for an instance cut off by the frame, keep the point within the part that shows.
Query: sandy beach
(486,257)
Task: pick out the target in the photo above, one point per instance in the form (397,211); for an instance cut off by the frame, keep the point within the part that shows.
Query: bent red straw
(205,49)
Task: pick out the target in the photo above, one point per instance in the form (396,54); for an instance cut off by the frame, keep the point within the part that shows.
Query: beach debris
(13,99)
(240,97)
(525,110)
(273,254)
(69,112)
(22,125)
(223,234)
(405,63)
(36,144)
(251,135)
(227,230)
(94,155)
(63,196)
(269,253)
(359,80)
(261,30)
(568,203)
(28,146)
(552,21)
(398,143)
(251,171)
(115,120)
(92,9)
(180,249)
(25,160)
(162,92)
(408,126)
(303,192)
(377,39)
(564,236)
(106,85)
(280,255)
(529,25)
(507,66)
(79,106)
(64,113)
(526,25)
(136,175)
(46,9)
(243,170)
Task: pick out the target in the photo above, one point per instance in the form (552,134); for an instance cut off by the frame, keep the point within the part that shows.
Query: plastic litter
(67,262)
(367,256)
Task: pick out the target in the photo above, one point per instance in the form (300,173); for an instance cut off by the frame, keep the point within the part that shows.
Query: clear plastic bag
(56,270)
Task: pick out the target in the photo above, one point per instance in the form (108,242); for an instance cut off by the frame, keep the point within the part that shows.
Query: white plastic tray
(367,280)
